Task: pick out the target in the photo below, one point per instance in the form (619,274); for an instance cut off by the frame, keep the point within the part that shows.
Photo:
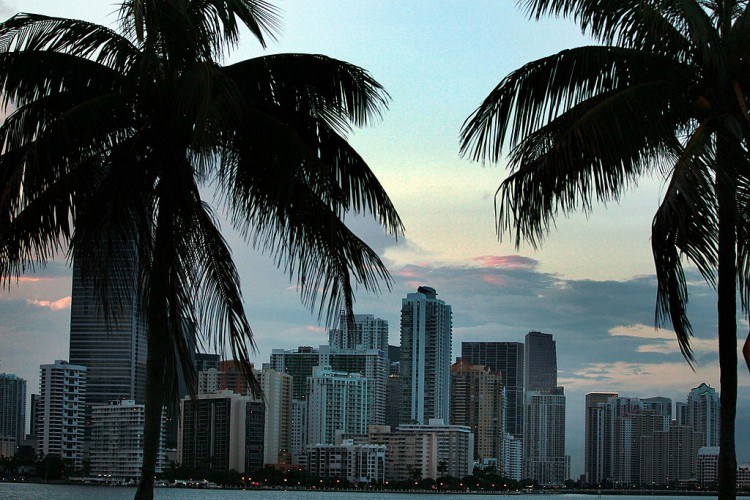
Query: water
(29,491)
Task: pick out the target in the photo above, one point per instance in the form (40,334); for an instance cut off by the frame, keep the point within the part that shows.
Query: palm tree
(113,133)
(664,91)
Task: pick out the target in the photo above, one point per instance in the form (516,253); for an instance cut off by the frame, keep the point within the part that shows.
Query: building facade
(337,401)
(13,408)
(61,411)
(670,456)
(356,463)
(544,437)
(277,394)
(703,404)
(364,331)
(455,446)
(426,333)
(116,449)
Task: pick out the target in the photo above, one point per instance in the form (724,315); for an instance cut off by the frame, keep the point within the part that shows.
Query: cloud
(506,261)
(316,329)
(641,331)
(56,305)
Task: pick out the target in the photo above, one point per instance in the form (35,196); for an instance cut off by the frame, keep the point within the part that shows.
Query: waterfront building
(455,445)
(62,411)
(426,332)
(703,404)
(215,432)
(277,394)
(407,453)
(12,408)
(298,436)
(298,363)
(598,439)
(544,436)
(477,402)
(337,401)
(506,358)
(364,331)
(671,455)
(255,436)
(116,449)
(707,465)
(512,462)
(356,463)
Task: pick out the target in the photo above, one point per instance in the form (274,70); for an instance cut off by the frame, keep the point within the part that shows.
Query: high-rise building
(477,402)
(299,430)
(277,395)
(204,361)
(216,430)
(512,457)
(34,408)
(406,452)
(255,435)
(117,440)
(507,359)
(393,403)
(707,465)
(364,331)
(337,401)
(703,405)
(671,455)
(298,363)
(598,442)
(540,362)
(544,436)
(61,411)
(12,408)
(426,331)
(369,363)
(111,344)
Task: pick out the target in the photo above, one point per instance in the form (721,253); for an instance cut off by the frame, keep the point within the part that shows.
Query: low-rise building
(707,468)
(357,463)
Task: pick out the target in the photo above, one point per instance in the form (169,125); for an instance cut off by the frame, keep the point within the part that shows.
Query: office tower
(477,402)
(299,430)
(356,463)
(455,445)
(370,363)
(540,362)
(426,326)
(365,331)
(671,455)
(116,449)
(703,405)
(544,436)
(507,359)
(255,439)
(111,346)
(12,408)
(61,411)
(277,394)
(681,413)
(337,401)
(393,402)
(598,442)
(214,431)
(298,363)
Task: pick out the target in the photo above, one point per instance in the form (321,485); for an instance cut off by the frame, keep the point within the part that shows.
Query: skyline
(591,285)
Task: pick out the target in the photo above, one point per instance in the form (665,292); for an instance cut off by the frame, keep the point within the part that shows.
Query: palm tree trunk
(153,413)
(727,312)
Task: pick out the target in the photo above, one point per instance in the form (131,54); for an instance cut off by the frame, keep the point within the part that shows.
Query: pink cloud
(493,279)
(56,305)
(315,329)
(407,273)
(506,261)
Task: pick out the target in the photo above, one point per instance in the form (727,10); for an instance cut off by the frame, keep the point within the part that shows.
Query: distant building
(298,363)
(455,445)
(669,456)
(477,402)
(507,358)
(337,401)
(205,361)
(540,362)
(544,436)
(743,476)
(408,454)
(220,432)
(393,402)
(255,435)
(7,446)
(12,408)
(299,431)
(703,405)
(707,466)
(426,332)
(365,331)
(598,438)
(512,462)
(356,463)
(62,411)
(116,449)
(277,394)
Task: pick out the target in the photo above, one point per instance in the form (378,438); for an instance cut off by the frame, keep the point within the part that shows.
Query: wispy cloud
(641,331)
(54,305)
(506,261)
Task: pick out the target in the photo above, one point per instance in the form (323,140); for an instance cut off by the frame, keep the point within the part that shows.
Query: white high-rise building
(336,401)
(426,331)
(61,411)
(703,405)
(364,332)
(544,436)
(299,430)
(117,440)
(277,394)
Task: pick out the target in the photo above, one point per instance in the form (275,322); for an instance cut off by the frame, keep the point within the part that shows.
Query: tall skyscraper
(277,395)
(12,407)
(337,401)
(477,402)
(61,411)
(598,442)
(298,363)
(703,405)
(507,359)
(364,332)
(426,331)
(671,455)
(544,412)
(111,346)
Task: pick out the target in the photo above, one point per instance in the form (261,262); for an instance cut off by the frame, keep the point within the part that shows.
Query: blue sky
(591,284)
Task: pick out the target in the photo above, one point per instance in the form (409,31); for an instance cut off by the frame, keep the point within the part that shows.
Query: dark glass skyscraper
(112,346)
(506,358)
(540,362)
(12,407)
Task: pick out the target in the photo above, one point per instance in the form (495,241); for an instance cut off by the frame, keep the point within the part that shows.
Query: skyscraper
(337,401)
(12,407)
(703,405)
(298,363)
(477,402)
(111,346)
(507,359)
(61,411)
(426,330)
(598,452)
(364,332)
(540,362)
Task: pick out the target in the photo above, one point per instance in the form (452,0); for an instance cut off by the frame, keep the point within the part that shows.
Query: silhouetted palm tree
(112,134)
(665,93)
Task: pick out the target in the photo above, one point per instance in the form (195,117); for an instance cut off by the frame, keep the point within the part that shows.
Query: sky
(591,284)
